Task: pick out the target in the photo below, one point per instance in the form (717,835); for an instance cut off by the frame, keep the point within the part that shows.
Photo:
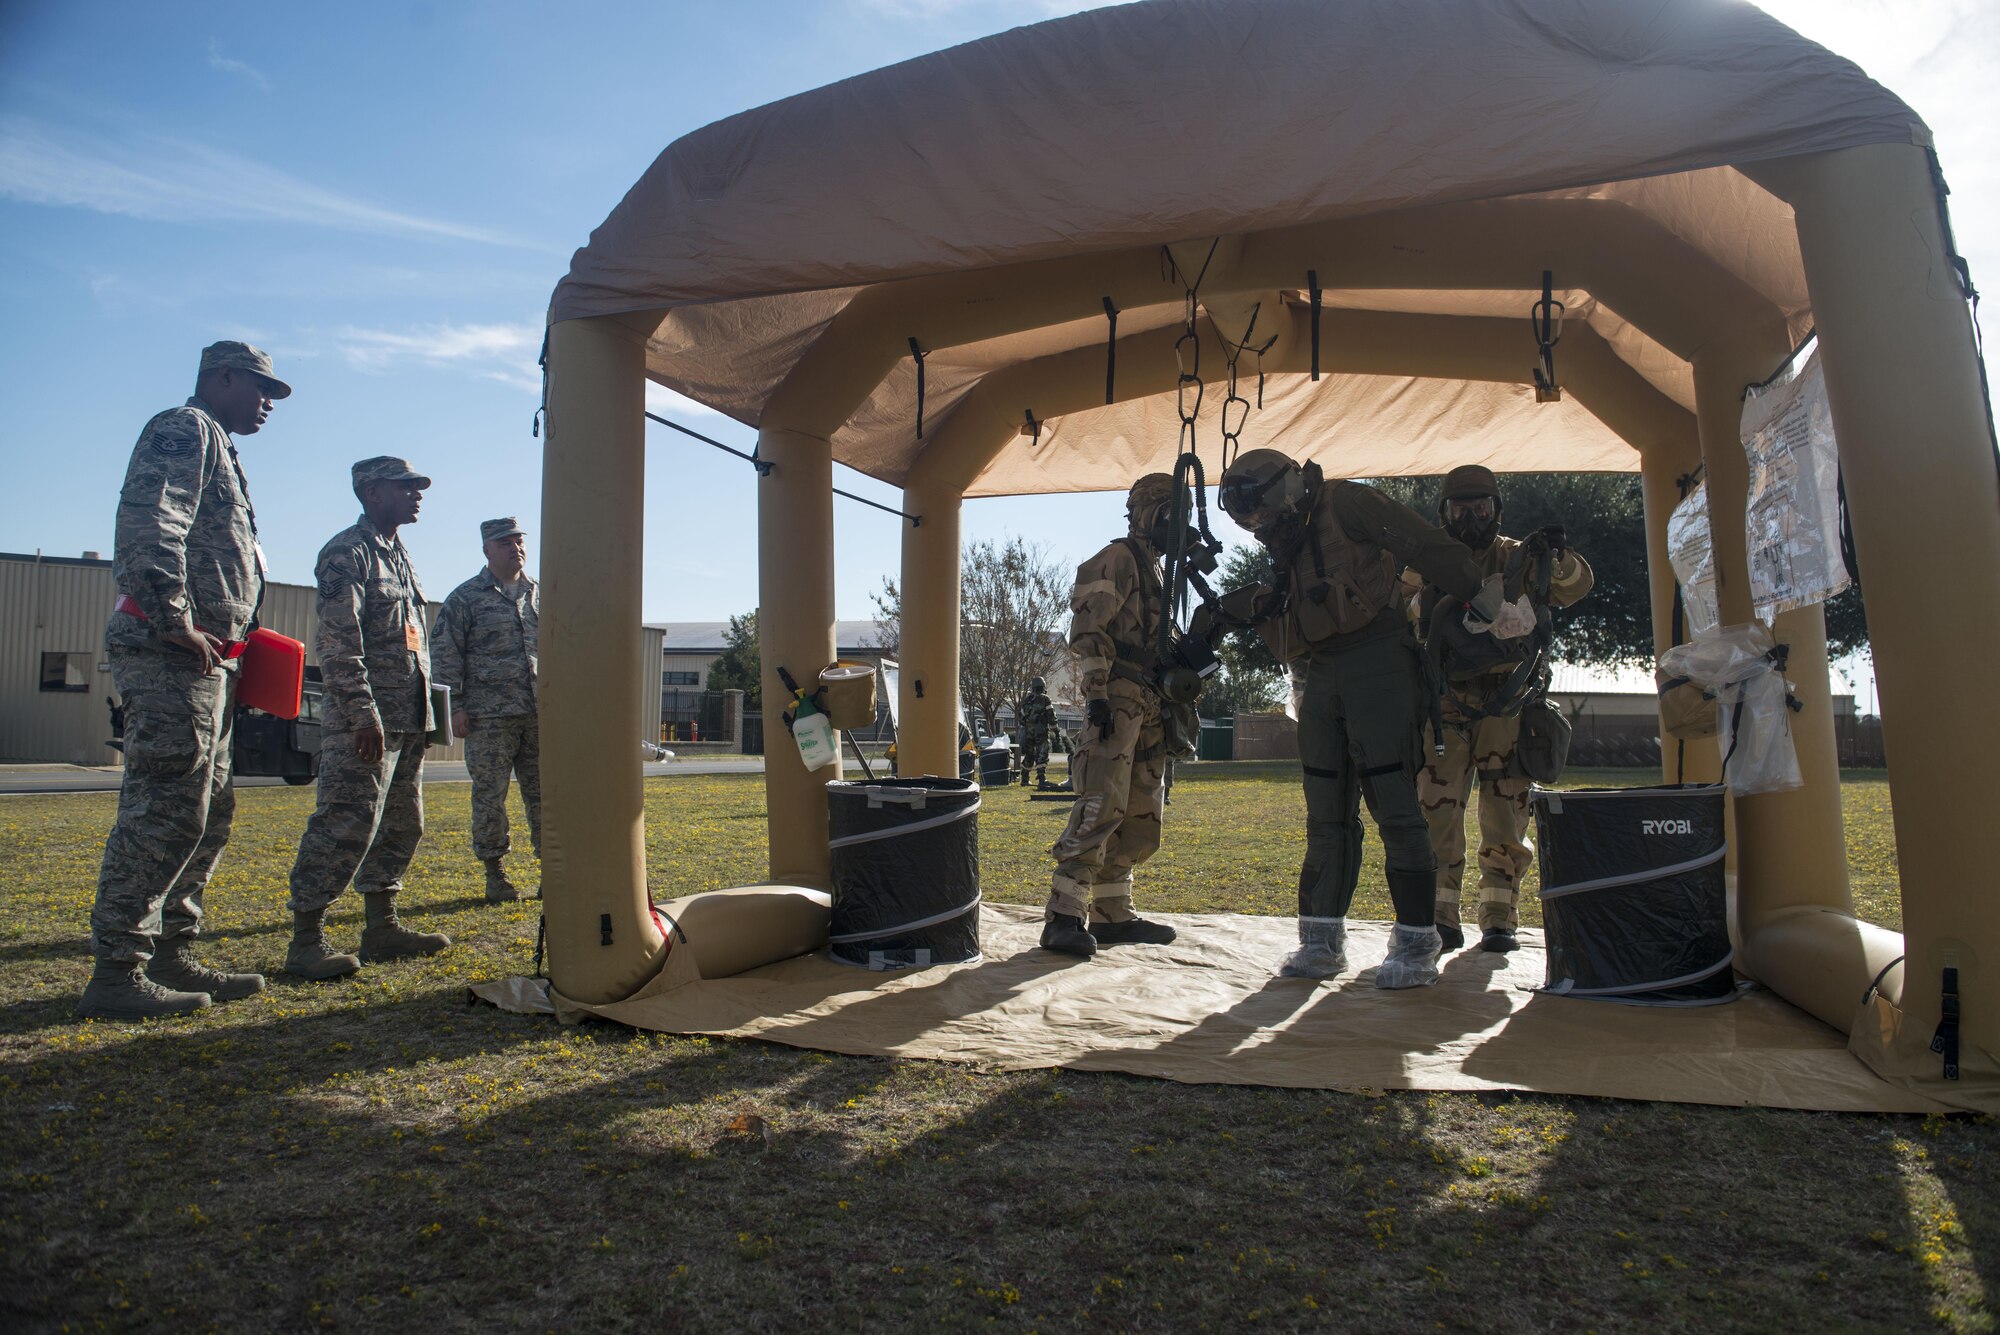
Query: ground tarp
(1207,1010)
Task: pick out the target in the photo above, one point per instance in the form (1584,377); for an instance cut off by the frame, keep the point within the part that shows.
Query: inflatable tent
(965,274)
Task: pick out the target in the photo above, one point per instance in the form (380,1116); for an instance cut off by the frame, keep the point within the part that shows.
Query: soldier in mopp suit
(483,647)
(1338,620)
(375,657)
(1037,717)
(1115,608)
(1483,743)
(190,579)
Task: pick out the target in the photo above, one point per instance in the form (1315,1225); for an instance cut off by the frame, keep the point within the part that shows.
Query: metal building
(54,677)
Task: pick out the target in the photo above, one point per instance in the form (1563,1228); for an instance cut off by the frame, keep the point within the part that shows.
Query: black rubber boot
(1448,926)
(1064,934)
(1133,931)
(174,966)
(1499,940)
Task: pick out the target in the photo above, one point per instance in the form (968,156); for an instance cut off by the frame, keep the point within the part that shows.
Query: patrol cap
(386,468)
(1469,481)
(229,355)
(500,528)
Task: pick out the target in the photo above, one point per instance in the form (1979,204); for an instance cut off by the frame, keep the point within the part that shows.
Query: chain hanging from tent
(1545,318)
(1232,439)
(1190,479)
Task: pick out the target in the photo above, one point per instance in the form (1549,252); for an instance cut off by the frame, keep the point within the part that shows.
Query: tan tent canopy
(1115,132)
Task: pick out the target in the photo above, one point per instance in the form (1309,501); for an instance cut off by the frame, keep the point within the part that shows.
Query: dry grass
(375,1155)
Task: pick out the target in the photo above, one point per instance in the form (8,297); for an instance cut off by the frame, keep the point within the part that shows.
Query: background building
(54,676)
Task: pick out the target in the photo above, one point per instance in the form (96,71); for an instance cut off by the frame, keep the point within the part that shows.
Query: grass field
(375,1155)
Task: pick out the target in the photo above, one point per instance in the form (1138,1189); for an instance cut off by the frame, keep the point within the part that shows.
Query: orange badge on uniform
(413,636)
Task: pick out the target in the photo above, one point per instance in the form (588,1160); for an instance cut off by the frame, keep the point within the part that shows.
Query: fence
(694,716)
(1266,737)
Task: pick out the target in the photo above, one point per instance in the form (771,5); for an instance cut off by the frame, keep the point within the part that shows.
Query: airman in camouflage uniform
(190,579)
(1474,743)
(1037,718)
(485,651)
(375,657)
(1115,610)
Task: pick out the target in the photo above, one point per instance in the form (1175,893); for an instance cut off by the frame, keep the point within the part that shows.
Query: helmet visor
(1476,509)
(1255,503)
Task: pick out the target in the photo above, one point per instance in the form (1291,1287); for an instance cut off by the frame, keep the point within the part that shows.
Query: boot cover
(1448,927)
(1499,940)
(499,890)
(174,966)
(1412,960)
(310,957)
(124,992)
(1322,951)
(384,938)
(1132,931)
(1064,934)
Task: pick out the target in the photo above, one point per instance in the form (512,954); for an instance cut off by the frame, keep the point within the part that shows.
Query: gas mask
(1473,520)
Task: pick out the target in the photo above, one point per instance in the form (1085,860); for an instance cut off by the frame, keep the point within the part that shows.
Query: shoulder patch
(332,586)
(173,438)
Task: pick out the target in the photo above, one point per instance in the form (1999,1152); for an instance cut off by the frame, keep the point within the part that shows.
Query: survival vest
(1333,585)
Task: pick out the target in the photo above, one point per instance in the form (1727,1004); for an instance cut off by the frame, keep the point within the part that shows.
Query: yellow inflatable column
(795,624)
(1897,347)
(1660,471)
(602,942)
(927,704)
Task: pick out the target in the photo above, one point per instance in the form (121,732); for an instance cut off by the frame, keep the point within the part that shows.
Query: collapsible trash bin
(1634,906)
(996,762)
(905,872)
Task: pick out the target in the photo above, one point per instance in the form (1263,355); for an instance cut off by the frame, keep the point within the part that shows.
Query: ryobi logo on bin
(1666,827)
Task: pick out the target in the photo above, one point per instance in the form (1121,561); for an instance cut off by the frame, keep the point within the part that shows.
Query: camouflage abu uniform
(1037,717)
(1485,747)
(186,554)
(1115,609)
(375,657)
(484,649)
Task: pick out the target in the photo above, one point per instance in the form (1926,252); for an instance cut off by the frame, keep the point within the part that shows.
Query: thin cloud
(218,61)
(508,354)
(168,180)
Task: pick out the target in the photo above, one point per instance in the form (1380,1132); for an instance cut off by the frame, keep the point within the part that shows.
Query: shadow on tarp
(1206,1009)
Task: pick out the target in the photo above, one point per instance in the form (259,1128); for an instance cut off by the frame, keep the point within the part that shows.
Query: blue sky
(383,196)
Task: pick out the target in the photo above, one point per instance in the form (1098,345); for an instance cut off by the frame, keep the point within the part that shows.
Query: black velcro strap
(917,351)
(1674,684)
(1319,773)
(1945,1041)
(1111,353)
(1313,295)
(1379,770)
(1876,984)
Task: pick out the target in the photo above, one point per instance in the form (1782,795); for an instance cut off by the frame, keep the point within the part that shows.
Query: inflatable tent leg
(601,938)
(927,735)
(1924,494)
(795,624)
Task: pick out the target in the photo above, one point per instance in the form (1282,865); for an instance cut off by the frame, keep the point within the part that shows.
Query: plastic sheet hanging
(905,872)
(1634,905)
(1742,667)
(1792,519)
(1691,552)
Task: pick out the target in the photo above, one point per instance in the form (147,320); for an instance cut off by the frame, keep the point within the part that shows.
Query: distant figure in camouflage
(375,658)
(1115,610)
(1037,719)
(190,580)
(484,649)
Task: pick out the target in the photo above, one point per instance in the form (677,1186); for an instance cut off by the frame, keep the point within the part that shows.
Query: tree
(1013,599)
(741,666)
(888,633)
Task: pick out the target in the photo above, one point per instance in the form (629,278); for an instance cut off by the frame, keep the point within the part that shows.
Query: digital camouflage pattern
(175,805)
(185,546)
(1485,747)
(373,649)
(375,658)
(497,749)
(367,824)
(1115,610)
(186,551)
(484,647)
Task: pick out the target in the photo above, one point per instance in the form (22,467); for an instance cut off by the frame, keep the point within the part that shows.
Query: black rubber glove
(1098,712)
(1558,539)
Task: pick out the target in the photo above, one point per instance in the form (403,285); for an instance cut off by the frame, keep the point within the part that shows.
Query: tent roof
(1158,122)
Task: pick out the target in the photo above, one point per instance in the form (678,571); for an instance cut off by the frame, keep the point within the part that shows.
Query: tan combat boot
(384,938)
(499,890)
(174,966)
(310,956)
(122,991)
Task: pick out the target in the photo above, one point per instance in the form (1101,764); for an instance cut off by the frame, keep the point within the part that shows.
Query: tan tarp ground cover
(1207,1010)
(1158,122)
